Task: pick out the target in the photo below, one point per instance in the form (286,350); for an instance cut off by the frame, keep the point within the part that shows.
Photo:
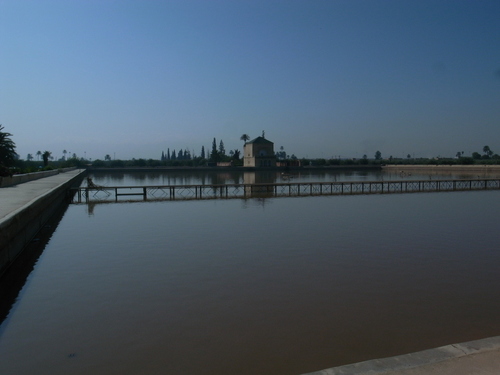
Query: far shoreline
(482,168)
(232,169)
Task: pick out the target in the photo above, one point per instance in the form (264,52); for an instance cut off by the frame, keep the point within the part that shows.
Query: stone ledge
(413,360)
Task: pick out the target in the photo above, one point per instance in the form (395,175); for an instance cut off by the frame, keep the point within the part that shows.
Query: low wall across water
(101,194)
(476,168)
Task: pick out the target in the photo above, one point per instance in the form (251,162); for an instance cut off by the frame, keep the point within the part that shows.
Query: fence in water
(263,190)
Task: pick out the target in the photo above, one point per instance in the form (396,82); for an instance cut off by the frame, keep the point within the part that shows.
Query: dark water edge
(16,276)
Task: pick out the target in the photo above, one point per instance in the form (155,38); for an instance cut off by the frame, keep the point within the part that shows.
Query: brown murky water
(262,286)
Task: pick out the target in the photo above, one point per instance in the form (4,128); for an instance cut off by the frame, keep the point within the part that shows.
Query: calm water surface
(257,286)
(238,177)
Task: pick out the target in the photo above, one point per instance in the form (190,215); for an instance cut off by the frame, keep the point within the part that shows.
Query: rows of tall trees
(217,154)
(180,155)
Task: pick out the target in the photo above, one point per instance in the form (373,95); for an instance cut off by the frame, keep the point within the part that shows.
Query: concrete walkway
(473,357)
(15,198)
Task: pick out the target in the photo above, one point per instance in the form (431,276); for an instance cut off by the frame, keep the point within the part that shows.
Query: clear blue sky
(322,78)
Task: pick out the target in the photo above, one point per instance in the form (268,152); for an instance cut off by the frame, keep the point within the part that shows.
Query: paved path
(17,197)
(481,357)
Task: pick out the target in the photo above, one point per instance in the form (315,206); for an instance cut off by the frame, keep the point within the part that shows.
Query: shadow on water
(16,276)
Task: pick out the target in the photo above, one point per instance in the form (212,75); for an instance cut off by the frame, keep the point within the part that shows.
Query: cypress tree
(222,150)
(214,156)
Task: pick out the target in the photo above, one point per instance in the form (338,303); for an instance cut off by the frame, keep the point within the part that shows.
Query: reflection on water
(270,286)
(214,177)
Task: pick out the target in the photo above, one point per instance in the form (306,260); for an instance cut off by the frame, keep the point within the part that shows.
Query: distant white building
(259,152)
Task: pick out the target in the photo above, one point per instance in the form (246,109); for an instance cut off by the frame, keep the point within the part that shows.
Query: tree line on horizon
(10,162)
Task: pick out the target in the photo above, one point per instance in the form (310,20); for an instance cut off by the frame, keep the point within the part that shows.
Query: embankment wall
(21,226)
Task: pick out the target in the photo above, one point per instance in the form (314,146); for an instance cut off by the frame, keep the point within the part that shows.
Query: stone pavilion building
(259,152)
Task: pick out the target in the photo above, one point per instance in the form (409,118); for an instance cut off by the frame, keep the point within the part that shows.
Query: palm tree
(64,153)
(245,138)
(45,156)
(38,154)
(7,148)
(487,151)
